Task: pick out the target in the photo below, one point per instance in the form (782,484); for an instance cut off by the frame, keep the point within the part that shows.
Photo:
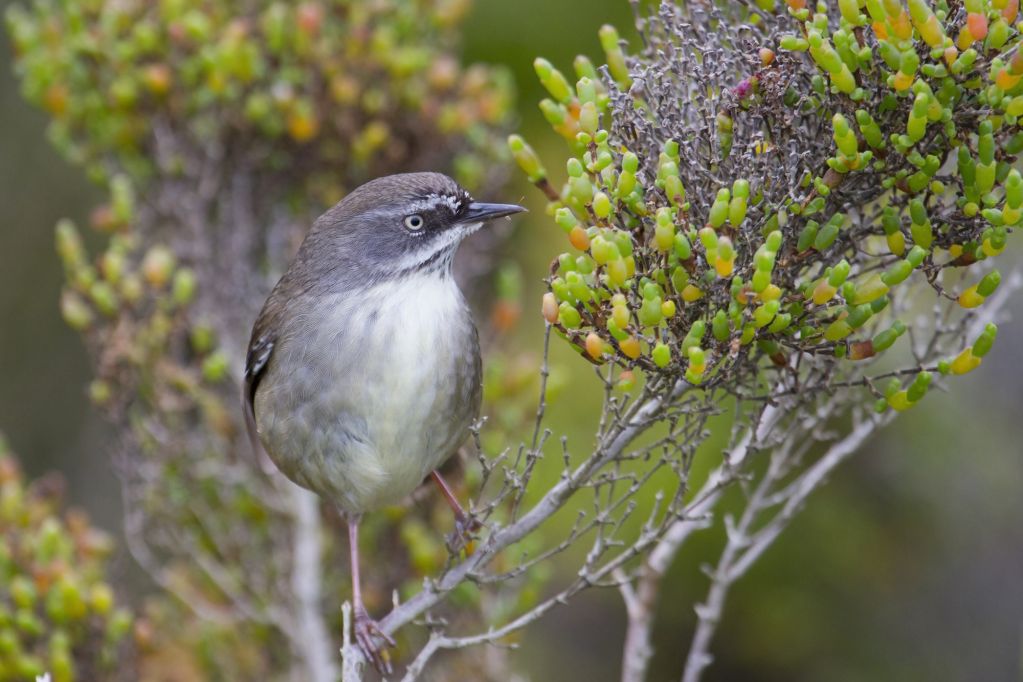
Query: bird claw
(366,632)
(464,534)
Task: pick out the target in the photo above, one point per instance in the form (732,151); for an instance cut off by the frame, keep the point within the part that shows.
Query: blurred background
(908,565)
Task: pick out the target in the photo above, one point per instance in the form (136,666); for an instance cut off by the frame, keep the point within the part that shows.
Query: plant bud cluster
(133,307)
(780,197)
(336,92)
(58,613)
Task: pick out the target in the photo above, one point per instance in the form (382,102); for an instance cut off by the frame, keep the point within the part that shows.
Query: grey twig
(311,637)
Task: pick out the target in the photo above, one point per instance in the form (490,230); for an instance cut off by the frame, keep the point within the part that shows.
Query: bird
(363,370)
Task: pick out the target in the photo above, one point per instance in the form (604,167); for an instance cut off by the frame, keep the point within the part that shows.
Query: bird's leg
(366,629)
(465,525)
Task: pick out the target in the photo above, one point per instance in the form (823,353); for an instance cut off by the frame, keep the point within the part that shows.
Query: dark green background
(908,565)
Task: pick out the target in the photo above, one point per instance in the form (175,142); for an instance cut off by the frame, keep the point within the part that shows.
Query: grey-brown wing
(257,358)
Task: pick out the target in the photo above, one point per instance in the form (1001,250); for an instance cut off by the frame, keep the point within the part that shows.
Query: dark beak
(478,212)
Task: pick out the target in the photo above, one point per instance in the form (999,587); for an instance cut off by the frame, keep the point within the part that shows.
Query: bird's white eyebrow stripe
(432,202)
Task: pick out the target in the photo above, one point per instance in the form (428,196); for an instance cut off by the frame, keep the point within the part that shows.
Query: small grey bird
(363,371)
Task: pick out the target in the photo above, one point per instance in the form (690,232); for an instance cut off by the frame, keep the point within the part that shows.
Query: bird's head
(412,222)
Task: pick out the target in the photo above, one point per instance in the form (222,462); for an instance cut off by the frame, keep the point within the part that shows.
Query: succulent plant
(325,92)
(775,182)
(58,611)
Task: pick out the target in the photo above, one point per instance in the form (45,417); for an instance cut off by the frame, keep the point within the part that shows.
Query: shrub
(58,611)
(765,191)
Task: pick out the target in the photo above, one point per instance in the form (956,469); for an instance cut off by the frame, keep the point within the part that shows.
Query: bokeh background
(908,565)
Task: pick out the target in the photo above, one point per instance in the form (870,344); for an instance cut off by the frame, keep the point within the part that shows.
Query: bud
(725,262)
(184,286)
(100,392)
(845,139)
(565,219)
(823,292)
(793,43)
(691,293)
(896,243)
(965,362)
(104,297)
(719,209)
(837,330)
(630,347)
(989,283)
(527,158)
(76,313)
(569,316)
(919,387)
(214,367)
(883,340)
(553,80)
(916,126)
(303,125)
(869,290)
(157,266)
(976,23)
(131,289)
(586,89)
(825,236)
(602,250)
(101,598)
(601,205)
(764,314)
(626,381)
(549,308)
(697,359)
(771,292)
(69,244)
(861,350)
(674,190)
(122,199)
(157,79)
(839,273)
(970,298)
(897,273)
(618,271)
(661,355)
(22,592)
(986,339)
(118,625)
(859,315)
(578,238)
(650,313)
(609,41)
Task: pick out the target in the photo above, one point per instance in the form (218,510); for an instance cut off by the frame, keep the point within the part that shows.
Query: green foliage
(327,92)
(771,197)
(58,613)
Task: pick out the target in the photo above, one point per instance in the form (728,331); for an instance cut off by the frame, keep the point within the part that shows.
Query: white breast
(372,390)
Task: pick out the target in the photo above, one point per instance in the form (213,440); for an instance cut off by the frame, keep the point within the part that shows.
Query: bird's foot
(464,534)
(366,632)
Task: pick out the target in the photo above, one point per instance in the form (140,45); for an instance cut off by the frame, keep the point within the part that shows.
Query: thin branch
(311,638)
(639,419)
(352,662)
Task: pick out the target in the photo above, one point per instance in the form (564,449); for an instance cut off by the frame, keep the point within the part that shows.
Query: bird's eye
(414,222)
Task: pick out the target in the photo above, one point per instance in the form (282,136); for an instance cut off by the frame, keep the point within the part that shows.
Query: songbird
(363,372)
